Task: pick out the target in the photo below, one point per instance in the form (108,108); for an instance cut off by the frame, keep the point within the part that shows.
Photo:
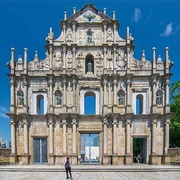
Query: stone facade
(89,58)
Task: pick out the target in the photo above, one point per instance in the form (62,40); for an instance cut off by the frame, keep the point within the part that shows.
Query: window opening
(90,106)
(40,104)
(139,104)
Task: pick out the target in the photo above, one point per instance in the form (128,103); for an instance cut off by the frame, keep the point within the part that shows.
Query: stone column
(128,59)
(167,60)
(13,137)
(74,135)
(154,92)
(51,137)
(154,59)
(105,141)
(50,58)
(128,140)
(115,135)
(166,157)
(26,142)
(25,60)
(115,91)
(153,136)
(128,96)
(64,56)
(167,96)
(64,135)
(128,159)
(105,123)
(26,139)
(12,95)
(166,137)
(74,58)
(105,91)
(74,95)
(105,58)
(25,107)
(50,95)
(12,63)
(64,91)
(114,59)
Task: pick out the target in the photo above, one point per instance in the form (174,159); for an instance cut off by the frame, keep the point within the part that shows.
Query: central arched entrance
(89,148)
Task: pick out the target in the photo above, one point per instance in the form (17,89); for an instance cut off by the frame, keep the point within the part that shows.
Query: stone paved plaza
(91,175)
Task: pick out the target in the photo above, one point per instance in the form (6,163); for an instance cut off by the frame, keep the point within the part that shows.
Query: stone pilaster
(128,157)
(12,103)
(105,155)
(51,141)
(166,157)
(26,141)
(154,107)
(167,107)
(50,95)
(114,155)
(64,94)
(13,158)
(105,58)
(74,124)
(64,136)
(128,96)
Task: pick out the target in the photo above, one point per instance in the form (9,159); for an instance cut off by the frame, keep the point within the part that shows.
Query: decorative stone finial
(65,15)
(20,59)
(159,59)
(114,15)
(104,10)
(143,56)
(74,10)
(36,58)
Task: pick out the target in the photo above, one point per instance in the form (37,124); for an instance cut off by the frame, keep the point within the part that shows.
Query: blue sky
(26,23)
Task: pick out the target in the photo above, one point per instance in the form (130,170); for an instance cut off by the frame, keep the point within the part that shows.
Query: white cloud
(3,112)
(137,15)
(168,30)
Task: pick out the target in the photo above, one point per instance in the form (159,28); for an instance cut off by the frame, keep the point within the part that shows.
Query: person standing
(68,167)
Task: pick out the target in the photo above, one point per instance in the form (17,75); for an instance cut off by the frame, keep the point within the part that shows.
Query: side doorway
(40,150)
(140,150)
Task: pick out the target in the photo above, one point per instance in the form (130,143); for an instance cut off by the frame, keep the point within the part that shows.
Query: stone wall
(5,152)
(173,152)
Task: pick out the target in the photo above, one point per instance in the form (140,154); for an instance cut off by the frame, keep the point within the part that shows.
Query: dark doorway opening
(139,150)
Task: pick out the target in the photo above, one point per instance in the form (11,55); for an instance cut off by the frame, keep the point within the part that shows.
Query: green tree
(175,119)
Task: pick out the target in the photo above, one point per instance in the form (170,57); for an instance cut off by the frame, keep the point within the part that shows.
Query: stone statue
(121,99)
(89,66)
(21,98)
(159,97)
(59,99)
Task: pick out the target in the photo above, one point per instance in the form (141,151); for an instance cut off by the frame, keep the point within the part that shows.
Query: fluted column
(64,135)
(166,137)
(128,140)
(74,135)
(105,123)
(153,136)
(115,135)
(115,91)
(26,139)
(51,132)
(13,137)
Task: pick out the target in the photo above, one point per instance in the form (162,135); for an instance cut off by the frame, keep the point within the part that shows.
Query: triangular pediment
(89,14)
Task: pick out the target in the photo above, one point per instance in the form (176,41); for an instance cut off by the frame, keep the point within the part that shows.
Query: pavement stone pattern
(175,175)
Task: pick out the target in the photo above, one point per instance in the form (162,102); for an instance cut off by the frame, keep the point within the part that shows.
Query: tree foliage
(175,119)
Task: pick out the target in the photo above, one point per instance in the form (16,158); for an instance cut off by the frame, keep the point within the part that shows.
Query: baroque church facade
(89,98)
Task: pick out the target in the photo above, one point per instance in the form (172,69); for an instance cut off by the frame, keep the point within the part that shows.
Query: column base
(128,159)
(166,159)
(51,159)
(114,159)
(155,159)
(106,160)
(154,109)
(128,109)
(74,158)
(26,159)
(13,159)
